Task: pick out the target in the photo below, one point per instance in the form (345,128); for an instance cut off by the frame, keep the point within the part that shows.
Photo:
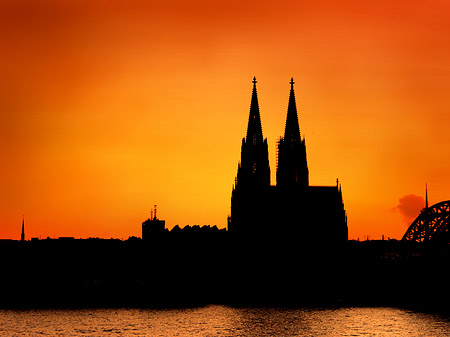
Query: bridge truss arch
(432,224)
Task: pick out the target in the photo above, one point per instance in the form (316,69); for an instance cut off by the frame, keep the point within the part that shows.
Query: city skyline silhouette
(292,212)
(286,245)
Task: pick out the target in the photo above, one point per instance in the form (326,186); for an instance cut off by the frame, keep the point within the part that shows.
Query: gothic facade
(292,209)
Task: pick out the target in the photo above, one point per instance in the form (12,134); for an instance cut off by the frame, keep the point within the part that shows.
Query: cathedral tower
(253,170)
(291,214)
(292,168)
(249,199)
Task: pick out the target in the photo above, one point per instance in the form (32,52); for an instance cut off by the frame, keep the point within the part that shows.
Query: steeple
(292,169)
(254,128)
(253,175)
(254,170)
(292,129)
(426,196)
(22,236)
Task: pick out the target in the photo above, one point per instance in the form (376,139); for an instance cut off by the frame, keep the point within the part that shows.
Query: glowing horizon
(109,108)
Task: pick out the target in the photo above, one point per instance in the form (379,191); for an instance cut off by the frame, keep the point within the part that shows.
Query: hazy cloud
(410,206)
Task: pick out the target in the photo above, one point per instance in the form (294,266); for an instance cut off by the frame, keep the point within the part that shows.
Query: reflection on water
(217,320)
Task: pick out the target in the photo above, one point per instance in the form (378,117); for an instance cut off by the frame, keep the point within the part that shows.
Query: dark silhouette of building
(291,210)
(153,227)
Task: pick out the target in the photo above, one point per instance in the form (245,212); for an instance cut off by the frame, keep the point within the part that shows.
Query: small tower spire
(253,169)
(292,168)
(426,196)
(22,236)
(292,128)
(254,129)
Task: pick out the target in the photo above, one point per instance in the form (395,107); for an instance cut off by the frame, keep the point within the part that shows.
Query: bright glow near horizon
(107,108)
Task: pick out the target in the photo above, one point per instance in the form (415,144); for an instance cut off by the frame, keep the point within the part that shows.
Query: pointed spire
(254,129)
(426,196)
(22,236)
(292,129)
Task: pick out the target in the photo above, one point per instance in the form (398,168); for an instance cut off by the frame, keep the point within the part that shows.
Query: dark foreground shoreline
(196,271)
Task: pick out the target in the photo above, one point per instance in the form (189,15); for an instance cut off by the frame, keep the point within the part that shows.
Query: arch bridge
(432,224)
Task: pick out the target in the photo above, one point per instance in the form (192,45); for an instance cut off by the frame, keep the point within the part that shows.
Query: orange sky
(109,107)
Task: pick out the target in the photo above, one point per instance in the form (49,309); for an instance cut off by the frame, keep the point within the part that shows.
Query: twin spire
(292,128)
(292,168)
(254,129)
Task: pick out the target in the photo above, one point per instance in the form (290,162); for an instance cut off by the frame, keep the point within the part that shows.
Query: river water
(215,320)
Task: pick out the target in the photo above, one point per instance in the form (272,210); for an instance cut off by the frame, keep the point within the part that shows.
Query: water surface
(218,320)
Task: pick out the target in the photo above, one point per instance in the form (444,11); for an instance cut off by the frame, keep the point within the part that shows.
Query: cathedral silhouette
(291,210)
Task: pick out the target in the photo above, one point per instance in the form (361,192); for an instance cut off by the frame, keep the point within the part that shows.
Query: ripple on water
(217,320)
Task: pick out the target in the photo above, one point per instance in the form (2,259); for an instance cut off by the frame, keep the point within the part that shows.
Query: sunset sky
(109,107)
